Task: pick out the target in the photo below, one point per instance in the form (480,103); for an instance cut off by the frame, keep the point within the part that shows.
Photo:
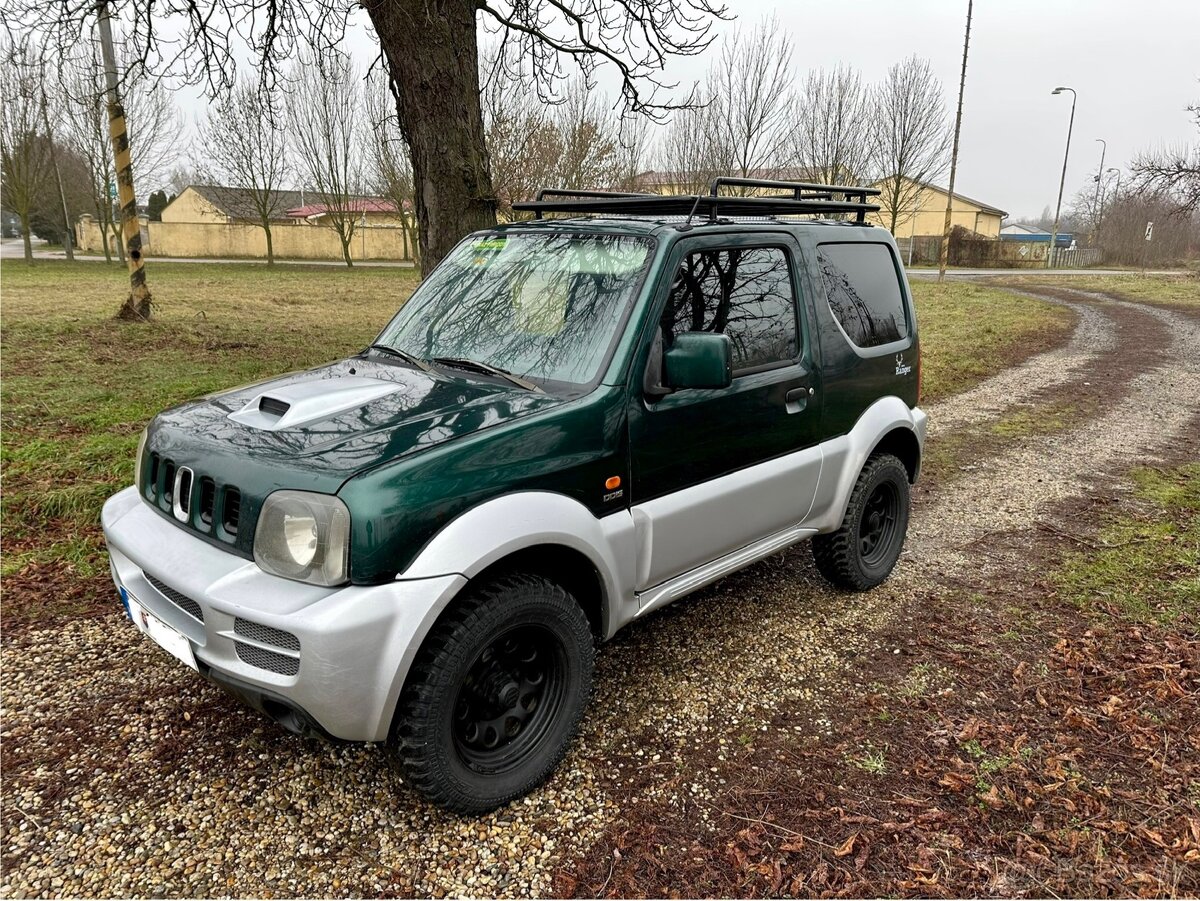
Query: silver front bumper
(355,643)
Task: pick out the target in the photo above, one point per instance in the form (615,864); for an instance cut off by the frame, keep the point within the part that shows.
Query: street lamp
(1096,199)
(1117,172)
(1104,195)
(1062,181)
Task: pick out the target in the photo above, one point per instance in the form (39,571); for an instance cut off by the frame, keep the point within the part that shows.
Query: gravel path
(1095,334)
(128,776)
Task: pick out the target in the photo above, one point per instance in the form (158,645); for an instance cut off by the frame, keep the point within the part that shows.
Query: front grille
(266,634)
(263,658)
(268,660)
(202,502)
(180,600)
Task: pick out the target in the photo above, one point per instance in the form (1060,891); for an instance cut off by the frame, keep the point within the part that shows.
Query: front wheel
(495,695)
(863,552)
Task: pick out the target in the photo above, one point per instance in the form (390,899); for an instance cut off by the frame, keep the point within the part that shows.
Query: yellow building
(922,211)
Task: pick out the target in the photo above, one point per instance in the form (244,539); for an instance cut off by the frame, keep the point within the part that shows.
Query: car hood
(334,421)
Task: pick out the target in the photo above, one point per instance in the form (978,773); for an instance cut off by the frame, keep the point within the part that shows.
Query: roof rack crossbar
(572,192)
(800,190)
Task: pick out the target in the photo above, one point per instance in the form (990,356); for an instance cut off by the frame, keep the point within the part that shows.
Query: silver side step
(673,589)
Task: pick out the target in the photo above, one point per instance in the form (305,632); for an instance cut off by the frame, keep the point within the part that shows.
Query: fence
(994,253)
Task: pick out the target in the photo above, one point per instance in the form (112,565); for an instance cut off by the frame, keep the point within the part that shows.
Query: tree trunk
(104,243)
(437,80)
(346,248)
(270,246)
(26,237)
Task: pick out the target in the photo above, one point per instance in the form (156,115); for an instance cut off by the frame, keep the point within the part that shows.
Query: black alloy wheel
(877,528)
(510,695)
(863,552)
(495,695)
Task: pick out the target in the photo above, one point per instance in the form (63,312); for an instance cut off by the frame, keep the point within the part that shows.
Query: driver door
(714,470)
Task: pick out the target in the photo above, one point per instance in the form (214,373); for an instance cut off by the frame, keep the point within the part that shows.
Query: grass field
(78,386)
(1147,563)
(1181,291)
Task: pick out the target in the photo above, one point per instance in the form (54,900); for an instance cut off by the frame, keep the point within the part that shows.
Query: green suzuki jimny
(574,421)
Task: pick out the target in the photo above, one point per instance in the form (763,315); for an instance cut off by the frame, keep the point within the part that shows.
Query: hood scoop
(303,403)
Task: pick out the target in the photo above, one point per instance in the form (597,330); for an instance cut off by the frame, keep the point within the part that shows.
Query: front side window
(864,292)
(546,307)
(745,293)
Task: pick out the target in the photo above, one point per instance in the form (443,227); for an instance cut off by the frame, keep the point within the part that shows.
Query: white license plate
(170,640)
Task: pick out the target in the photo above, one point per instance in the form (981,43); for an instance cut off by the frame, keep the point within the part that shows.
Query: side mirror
(699,360)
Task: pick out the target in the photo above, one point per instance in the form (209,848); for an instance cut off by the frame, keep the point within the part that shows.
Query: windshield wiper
(404,355)
(477,366)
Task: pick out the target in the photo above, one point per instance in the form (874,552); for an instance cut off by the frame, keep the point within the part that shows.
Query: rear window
(864,292)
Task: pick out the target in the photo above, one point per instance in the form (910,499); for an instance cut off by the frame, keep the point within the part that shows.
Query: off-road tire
(427,735)
(839,555)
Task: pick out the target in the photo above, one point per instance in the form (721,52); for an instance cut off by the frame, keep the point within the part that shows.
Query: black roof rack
(805,198)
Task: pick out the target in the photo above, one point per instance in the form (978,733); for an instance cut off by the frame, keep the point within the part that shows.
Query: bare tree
(750,99)
(633,142)
(522,141)
(247,150)
(431,51)
(388,157)
(575,141)
(1172,171)
(588,137)
(325,110)
(832,117)
(154,129)
(24,146)
(684,156)
(911,142)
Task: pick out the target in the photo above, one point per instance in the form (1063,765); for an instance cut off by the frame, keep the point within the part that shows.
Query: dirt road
(126,775)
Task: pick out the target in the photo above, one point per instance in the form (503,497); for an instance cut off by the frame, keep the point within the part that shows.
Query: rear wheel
(496,695)
(863,552)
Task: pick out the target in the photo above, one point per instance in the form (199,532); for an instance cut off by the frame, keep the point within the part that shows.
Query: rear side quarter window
(864,293)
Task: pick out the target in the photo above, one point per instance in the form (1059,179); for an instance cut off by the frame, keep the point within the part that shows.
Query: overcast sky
(1134,63)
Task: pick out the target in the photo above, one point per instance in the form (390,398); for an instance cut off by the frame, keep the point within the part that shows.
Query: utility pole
(68,234)
(944,254)
(1062,181)
(137,305)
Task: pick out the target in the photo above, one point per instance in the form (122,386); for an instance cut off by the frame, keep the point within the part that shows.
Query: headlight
(139,471)
(303,536)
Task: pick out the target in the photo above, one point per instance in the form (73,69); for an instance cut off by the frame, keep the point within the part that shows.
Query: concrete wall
(291,240)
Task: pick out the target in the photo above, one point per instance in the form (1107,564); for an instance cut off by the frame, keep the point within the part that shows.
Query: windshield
(545,307)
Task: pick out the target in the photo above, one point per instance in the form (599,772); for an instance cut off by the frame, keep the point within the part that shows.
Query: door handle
(797,399)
